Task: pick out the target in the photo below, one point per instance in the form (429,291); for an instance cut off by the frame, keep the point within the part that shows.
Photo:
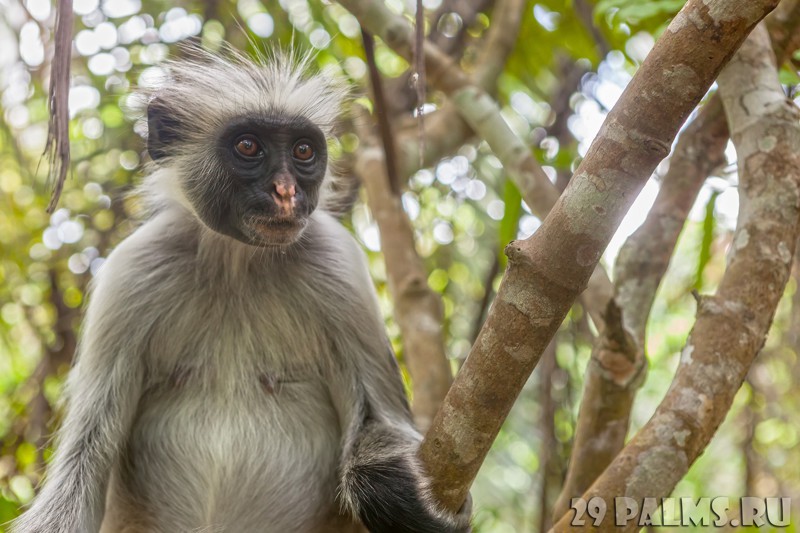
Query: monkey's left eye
(247,146)
(303,151)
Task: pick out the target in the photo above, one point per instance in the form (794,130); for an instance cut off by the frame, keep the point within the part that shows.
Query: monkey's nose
(284,196)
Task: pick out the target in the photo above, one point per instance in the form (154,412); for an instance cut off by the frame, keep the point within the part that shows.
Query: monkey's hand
(383,483)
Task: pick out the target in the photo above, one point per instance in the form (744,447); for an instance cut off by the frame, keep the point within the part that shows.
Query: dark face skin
(260,181)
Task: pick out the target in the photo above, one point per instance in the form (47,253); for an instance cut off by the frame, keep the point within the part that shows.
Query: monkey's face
(272,169)
(260,180)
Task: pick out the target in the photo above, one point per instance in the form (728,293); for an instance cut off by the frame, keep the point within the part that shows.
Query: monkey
(233,372)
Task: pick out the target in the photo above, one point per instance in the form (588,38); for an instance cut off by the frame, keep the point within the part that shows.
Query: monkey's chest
(247,450)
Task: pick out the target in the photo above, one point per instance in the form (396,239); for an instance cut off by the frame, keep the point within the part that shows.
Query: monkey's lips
(276,230)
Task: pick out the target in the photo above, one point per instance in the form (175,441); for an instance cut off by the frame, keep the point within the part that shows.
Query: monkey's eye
(303,151)
(248,146)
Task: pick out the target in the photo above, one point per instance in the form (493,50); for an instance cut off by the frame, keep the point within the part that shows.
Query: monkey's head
(246,142)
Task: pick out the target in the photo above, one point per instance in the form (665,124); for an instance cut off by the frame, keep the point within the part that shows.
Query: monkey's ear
(162,128)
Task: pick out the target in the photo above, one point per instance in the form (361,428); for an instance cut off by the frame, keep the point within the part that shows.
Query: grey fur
(226,387)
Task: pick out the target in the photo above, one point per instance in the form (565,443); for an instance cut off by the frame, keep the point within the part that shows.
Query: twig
(384,126)
(57,147)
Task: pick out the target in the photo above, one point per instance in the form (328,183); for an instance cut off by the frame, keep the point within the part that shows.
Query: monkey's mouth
(276,231)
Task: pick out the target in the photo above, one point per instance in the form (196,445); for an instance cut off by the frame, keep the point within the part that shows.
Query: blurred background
(567,69)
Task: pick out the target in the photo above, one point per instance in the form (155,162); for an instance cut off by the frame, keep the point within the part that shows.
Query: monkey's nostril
(283,192)
(285,196)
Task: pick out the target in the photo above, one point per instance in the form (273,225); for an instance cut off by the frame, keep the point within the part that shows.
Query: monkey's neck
(217,256)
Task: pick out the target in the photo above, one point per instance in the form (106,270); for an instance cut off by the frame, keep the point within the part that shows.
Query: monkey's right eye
(247,146)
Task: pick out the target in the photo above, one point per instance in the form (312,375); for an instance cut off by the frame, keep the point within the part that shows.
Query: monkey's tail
(383,483)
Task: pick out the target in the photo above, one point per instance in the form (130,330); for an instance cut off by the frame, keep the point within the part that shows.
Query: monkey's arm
(381,479)
(101,393)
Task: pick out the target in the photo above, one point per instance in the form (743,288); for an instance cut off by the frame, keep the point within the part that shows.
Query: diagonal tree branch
(569,74)
(732,325)
(547,271)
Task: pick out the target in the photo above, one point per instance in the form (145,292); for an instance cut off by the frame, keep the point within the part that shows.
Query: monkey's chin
(276,231)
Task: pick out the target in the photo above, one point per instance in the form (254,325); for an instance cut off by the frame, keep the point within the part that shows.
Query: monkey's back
(234,387)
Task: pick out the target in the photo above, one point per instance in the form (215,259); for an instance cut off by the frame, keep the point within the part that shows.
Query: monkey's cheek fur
(276,231)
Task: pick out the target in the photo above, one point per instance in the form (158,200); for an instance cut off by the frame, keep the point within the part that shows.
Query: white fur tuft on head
(213,88)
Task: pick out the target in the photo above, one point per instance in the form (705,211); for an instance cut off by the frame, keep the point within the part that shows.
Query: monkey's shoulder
(156,250)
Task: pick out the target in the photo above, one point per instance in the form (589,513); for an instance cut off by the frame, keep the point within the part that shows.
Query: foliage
(463,210)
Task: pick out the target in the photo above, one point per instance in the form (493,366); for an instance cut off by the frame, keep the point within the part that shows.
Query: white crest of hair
(211,87)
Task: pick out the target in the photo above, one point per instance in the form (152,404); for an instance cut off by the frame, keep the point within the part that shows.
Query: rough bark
(731,325)
(547,271)
(618,362)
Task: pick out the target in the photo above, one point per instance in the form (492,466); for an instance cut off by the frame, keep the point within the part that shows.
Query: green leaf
(510,222)
(9,510)
(708,239)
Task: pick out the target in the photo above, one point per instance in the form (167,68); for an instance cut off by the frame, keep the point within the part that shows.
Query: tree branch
(617,366)
(418,309)
(547,271)
(732,325)
(382,113)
